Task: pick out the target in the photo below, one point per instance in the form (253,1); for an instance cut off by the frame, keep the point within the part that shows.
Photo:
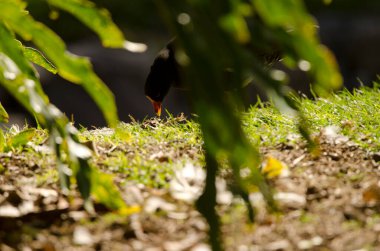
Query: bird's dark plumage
(163,74)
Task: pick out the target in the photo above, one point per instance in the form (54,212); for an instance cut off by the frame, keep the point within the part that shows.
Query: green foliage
(2,141)
(298,37)
(17,140)
(20,139)
(19,77)
(241,35)
(36,57)
(105,192)
(4,117)
(96,19)
(75,69)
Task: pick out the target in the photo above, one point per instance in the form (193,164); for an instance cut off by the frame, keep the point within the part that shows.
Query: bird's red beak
(156,106)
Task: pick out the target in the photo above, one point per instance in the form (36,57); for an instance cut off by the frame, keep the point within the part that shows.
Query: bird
(165,73)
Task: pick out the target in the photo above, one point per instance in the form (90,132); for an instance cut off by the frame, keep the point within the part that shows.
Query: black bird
(163,74)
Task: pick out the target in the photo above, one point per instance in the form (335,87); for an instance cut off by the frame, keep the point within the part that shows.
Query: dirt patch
(341,198)
(328,202)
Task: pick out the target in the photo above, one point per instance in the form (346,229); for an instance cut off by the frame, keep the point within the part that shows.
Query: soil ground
(328,202)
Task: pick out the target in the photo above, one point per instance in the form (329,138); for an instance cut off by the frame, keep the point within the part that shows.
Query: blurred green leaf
(4,117)
(288,14)
(245,39)
(2,141)
(237,26)
(300,42)
(105,192)
(18,76)
(99,20)
(83,178)
(73,68)
(38,58)
(21,138)
(17,73)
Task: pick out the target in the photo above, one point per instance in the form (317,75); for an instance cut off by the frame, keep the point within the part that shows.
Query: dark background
(351,29)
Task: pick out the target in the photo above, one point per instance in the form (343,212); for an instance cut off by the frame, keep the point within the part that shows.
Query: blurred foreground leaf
(301,46)
(105,192)
(21,138)
(99,20)
(73,68)
(244,37)
(4,117)
(2,141)
(18,76)
(36,57)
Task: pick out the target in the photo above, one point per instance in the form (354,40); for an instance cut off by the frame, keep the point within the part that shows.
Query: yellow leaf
(129,210)
(272,168)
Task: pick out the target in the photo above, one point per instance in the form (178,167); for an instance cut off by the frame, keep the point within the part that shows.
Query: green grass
(357,114)
(149,152)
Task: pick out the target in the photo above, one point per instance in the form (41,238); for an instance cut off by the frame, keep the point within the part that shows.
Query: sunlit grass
(357,114)
(152,149)
(149,152)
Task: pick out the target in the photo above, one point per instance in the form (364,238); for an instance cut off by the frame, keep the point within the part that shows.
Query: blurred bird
(164,73)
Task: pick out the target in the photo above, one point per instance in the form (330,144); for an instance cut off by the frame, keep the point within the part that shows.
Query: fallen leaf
(183,244)
(9,211)
(291,200)
(371,194)
(272,168)
(201,247)
(153,204)
(310,243)
(82,236)
(278,245)
(223,195)
(188,183)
